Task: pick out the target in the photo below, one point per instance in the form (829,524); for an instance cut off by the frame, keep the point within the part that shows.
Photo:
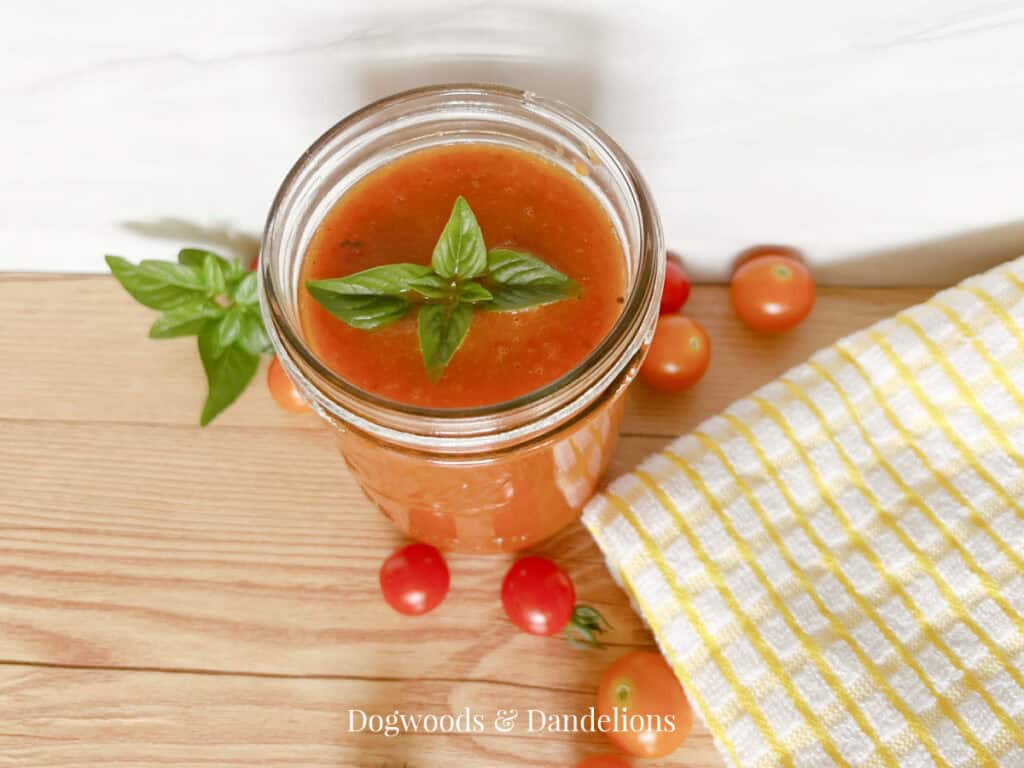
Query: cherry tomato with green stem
(603,761)
(540,599)
(772,289)
(642,683)
(679,356)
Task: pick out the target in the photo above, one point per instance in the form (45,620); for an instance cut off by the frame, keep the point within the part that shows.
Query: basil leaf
(460,251)
(509,267)
(433,286)
(442,329)
(194,257)
(235,272)
(213,275)
(227,330)
(524,281)
(389,280)
(365,312)
(444,288)
(227,373)
(509,298)
(245,292)
(230,338)
(232,269)
(253,336)
(157,284)
(473,293)
(170,273)
(186,320)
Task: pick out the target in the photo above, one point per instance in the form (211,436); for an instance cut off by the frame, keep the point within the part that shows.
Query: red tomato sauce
(521,201)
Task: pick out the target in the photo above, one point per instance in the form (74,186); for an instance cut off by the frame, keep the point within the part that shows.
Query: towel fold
(834,566)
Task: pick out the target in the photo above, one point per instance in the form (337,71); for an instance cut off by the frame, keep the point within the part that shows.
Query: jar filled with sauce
(505,447)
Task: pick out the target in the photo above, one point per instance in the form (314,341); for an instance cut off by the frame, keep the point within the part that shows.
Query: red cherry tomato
(284,392)
(677,286)
(538,596)
(642,684)
(414,579)
(772,290)
(602,761)
(679,355)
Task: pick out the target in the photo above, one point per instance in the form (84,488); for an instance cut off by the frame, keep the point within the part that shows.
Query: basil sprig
(463,277)
(212,298)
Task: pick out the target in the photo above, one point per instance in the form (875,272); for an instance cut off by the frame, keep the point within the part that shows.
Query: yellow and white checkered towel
(835,565)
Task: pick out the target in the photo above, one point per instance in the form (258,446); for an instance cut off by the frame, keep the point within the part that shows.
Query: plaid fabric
(835,565)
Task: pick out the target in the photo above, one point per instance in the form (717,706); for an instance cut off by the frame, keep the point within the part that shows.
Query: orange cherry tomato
(651,702)
(679,355)
(283,390)
(772,290)
(602,761)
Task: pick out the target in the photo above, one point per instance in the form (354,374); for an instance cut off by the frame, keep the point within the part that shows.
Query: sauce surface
(521,201)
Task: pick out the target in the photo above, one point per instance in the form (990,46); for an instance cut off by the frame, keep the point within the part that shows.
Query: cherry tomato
(772,290)
(414,579)
(284,392)
(642,683)
(603,761)
(677,286)
(538,596)
(679,355)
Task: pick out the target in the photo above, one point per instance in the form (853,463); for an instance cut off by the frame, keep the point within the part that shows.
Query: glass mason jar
(499,477)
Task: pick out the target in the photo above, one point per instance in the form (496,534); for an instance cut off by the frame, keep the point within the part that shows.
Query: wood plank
(198,597)
(131,546)
(83,355)
(742,361)
(77,718)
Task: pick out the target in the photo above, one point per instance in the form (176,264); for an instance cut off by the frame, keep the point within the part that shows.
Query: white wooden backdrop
(886,137)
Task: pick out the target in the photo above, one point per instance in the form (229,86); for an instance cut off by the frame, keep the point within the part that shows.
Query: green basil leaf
(213,275)
(227,330)
(365,312)
(509,298)
(433,286)
(158,284)
(245,291)
(186,320)
(509,267)
(521,281)
(232,268)
(442,329)
(388,280)
(235,272)
(460,251)
(194,257)
(473,293)
(253,336)
(170,273)
(227,373)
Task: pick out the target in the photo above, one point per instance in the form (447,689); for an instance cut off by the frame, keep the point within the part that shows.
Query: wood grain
(178,596)
(144,717)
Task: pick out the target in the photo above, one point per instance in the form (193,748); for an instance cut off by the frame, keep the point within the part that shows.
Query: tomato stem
(584,627)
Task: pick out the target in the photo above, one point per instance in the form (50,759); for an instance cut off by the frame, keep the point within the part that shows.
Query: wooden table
(178,596)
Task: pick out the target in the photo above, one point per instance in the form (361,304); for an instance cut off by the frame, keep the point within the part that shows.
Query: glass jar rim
(466,428)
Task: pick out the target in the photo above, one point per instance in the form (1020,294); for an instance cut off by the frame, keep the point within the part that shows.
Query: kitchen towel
(834,566)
